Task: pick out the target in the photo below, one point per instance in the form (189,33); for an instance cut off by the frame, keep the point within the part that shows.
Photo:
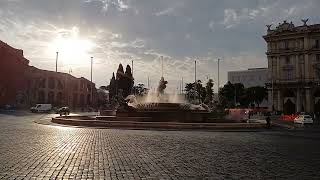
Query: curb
(159,125)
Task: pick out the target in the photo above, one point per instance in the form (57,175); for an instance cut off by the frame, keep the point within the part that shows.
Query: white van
(41,108)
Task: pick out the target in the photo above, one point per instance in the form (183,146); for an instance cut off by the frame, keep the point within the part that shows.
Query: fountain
(157,106)
(154,110)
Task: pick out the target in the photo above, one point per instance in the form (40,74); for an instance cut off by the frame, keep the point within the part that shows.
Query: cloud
(120,5)
(179,30)
(211,25)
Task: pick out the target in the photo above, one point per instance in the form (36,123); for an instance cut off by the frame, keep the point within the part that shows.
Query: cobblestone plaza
(35,151)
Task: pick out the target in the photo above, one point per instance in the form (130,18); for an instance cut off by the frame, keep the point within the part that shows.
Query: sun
(73,49)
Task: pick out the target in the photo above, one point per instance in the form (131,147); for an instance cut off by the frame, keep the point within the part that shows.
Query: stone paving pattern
(33,151)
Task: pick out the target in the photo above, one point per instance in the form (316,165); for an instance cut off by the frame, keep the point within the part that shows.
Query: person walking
(268,120)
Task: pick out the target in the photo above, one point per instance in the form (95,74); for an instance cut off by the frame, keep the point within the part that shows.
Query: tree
(209,91)
(128,79)
(195,91)
(231,94)
(227,95)
(190,92)
(140,89)
(201,91)
(241,95)
(112,87)
(257,94)
(124,80)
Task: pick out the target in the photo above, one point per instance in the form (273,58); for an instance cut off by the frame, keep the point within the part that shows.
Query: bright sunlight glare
(73,50)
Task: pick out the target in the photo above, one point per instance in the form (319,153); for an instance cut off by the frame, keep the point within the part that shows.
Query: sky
(118,31)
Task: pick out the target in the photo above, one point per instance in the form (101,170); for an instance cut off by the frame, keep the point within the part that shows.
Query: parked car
(41,108)
(63,111)
(9,107)
(303,119)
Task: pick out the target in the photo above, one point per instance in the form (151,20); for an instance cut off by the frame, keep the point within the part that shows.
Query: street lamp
(218,74)
(91,80)
(195,79)
(57,55)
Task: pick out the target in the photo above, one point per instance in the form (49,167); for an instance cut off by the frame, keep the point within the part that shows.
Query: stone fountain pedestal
(156,112)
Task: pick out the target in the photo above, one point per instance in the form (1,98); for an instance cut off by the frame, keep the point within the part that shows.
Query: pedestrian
(268,120)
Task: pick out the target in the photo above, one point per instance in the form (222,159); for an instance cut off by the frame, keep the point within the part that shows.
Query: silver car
(303,119)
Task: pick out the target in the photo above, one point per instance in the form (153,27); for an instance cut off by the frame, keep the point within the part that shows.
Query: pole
(235,96)
(182,85)
(132,67)
(195,71)
(57,55)
(272,83)
(91,81)
(218,75)
(161,66)
(148,83)
(195,78)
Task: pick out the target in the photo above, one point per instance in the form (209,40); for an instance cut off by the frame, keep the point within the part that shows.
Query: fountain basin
(157,112)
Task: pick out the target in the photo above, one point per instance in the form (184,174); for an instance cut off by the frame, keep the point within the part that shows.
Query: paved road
(30,150)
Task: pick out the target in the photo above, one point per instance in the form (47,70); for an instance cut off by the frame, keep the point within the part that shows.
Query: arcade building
(293,54)
(23,86)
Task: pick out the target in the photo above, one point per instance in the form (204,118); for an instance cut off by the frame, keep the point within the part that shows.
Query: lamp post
(182,86)
(272,105)
(195,78)
(91,80)
(132,67)
(57,55)
(218,75)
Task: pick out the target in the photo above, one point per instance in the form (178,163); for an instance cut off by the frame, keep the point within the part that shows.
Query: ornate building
(294,67)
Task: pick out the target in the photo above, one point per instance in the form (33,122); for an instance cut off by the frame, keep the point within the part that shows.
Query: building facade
(23,86)
(249,78)
(293,54)
(59,89)
(13,70)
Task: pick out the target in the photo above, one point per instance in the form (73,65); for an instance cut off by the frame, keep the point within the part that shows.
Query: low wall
(157,125)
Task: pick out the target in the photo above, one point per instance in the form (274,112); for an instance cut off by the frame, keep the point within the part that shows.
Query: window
(317,43)
(42,83)
(75,87)
(51,83)
(318,57)
(288,74)
(287,59)
(286,44)
(60,86)
(41,97)
(51,97)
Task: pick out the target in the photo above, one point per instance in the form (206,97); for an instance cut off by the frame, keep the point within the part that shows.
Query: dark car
(63,111)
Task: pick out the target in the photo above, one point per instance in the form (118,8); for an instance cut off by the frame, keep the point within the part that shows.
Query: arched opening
(50,97)
(88,99)
(59,98)
(51,83)
(289,107)
(81,100)
(75,100)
